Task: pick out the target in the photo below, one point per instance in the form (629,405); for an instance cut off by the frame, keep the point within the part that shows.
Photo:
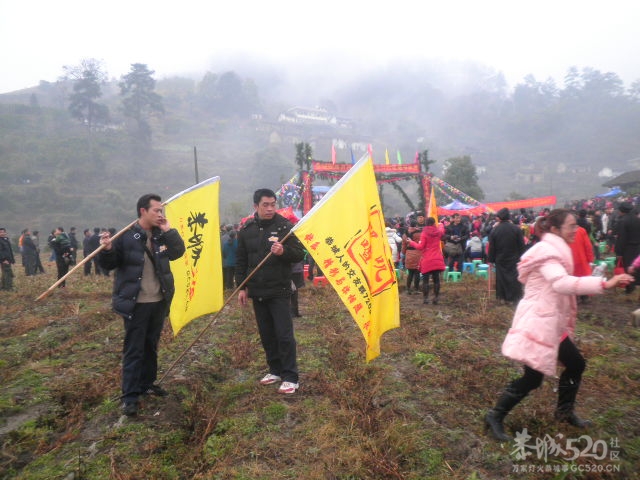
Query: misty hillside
(537,139)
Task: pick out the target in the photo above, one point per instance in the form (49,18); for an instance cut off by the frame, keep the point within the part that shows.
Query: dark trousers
(7,276)
(140,350)
(275,326)
(87,267)
(228,277)
(63,269)
(39,266)
(456,260)
(413,278)
(435,275)
(570,357)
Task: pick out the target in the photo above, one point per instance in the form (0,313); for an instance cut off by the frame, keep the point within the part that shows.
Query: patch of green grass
(274,412)
(424,360)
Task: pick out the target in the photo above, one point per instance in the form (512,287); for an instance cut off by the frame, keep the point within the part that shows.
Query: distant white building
(307,115)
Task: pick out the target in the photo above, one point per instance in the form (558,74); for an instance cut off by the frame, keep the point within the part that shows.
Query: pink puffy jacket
(547,313)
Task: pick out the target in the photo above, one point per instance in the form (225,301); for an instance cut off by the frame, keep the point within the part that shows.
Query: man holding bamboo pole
(142,292)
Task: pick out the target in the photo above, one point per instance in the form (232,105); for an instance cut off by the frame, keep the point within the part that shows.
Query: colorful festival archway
(303,195)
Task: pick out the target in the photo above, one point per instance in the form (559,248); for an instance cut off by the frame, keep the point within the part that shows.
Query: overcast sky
(545,38)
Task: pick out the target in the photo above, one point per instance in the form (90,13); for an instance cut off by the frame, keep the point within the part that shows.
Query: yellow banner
(198,274)
(433,208)
(345,235)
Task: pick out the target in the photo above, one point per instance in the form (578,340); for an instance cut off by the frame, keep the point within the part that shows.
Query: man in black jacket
(506,246)
(627,231)
(142,292)
(270,286)
(6,260)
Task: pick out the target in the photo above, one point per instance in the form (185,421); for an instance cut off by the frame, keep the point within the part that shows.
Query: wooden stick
(84,260)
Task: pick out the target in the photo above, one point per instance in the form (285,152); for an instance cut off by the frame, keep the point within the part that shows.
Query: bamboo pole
(84,260)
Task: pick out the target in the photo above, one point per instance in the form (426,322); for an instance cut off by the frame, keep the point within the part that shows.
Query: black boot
(567,392)
(493,420)
(436,293)
(425,293)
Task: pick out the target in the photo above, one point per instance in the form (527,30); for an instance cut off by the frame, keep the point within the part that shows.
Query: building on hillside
(307,116)
(627,181)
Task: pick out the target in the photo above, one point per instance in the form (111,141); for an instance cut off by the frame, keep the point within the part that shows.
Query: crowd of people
(607,228)
(64,248)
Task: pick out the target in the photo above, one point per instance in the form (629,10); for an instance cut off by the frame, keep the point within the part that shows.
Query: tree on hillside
(228,95)
(139,100)
(87,80)
(460,173)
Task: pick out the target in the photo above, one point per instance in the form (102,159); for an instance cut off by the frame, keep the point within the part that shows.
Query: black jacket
(127,255)
(6,252)
(273,279)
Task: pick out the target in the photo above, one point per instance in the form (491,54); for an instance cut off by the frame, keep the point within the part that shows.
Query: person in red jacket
(431,260)
(582,252)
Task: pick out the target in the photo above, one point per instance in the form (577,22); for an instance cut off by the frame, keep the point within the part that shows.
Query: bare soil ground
(413,413)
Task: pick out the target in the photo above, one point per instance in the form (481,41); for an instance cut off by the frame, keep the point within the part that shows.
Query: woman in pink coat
(431,261)
(544,322)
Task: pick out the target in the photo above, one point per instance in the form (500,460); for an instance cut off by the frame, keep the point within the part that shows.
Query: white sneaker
(269,379)
(288,387)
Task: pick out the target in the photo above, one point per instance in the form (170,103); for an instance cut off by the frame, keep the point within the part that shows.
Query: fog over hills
(533,139)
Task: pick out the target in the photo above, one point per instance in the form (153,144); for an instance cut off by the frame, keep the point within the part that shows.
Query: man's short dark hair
(262,192)
(145,201)
(96,230)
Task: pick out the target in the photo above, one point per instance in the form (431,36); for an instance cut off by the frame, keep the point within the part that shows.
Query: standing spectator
(36,240)
(270,286)
(74,245)
(50,238)
(543,326)
(6,260)
(582,255)
(411,254)
(229,249)
(86,250)
(94,243)
(431,260)
(394,240)
(142,292)
(627,231)
(456,236)
(506,245)
(61,245)
(29,253)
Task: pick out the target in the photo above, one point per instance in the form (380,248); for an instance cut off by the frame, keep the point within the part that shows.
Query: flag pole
(84,260)
(214,320)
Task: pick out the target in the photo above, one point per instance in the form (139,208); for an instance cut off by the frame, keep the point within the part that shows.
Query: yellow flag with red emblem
(345,234)
(197,274)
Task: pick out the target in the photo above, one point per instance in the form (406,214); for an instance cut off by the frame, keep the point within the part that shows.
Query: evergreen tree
(460,173)
(139,101)
(87,79)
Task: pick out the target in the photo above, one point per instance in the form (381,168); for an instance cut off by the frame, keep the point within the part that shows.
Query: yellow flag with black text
(198,273)
(345,234)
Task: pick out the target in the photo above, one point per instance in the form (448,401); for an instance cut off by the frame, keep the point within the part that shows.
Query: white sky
(545,37)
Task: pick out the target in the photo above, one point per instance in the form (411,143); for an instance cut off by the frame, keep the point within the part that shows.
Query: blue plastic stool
(468,267)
